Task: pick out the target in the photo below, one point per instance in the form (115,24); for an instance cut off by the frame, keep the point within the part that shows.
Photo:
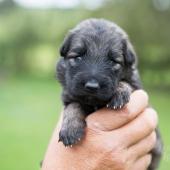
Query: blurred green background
(30,36)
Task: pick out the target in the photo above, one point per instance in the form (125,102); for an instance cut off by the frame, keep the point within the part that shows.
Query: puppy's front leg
(121,96)
(72,129)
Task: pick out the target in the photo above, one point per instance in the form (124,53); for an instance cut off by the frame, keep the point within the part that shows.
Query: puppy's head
(97,56)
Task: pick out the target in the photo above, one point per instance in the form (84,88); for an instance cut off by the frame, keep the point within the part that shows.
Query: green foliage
(29,109)
(25,33)
(30,39)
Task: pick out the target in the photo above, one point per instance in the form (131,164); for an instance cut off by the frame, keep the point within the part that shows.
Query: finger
(142,163)
(143,147)
(108,119)
(137,129)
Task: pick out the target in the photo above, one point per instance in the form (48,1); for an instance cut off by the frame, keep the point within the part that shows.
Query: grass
(29,109)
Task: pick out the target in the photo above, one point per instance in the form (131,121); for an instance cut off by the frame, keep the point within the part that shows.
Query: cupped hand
(114,140)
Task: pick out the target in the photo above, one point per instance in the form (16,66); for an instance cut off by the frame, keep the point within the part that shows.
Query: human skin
(114,140)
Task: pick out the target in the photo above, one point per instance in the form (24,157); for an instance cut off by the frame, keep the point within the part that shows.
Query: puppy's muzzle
(92,85)
(84,84)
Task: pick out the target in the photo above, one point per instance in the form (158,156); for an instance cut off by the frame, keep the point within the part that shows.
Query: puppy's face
(96,59)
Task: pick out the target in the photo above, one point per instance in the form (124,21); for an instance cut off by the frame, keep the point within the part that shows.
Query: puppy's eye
(72,55)
(78,58)
(72,61)
(115,57)
(117,66)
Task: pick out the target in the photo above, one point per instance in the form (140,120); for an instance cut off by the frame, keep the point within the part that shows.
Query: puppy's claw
(79,139)
(70,135)
(120,99)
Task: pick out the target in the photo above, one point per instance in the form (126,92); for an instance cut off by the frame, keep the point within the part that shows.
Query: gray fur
(98,68)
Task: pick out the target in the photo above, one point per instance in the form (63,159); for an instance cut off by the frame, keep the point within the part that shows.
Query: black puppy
(97,69)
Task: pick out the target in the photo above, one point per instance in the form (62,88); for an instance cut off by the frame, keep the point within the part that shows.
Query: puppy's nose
(92,85)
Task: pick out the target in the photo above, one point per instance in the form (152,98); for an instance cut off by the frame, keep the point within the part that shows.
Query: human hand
(114,140)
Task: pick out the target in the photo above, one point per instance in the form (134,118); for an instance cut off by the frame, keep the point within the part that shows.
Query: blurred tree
(7,4)
(25,34)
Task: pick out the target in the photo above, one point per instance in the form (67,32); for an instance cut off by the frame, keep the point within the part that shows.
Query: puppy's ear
(66,45)
(129,53)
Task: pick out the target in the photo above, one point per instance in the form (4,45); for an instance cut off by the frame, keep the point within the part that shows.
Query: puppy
(98,68)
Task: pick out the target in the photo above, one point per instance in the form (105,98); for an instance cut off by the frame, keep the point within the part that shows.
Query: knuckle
(130,110)
(111,148)
(150,119)
(126,113)
(154,115)
(105,144)
(115,154)
(153,138)
(120,162)
(119,157)
(127,110)
(148,160)
(145,95)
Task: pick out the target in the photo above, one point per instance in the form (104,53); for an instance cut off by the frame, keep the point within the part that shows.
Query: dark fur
(97,69)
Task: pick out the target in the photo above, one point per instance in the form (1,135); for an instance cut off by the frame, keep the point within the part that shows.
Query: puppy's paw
(72,133)
(119,100)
